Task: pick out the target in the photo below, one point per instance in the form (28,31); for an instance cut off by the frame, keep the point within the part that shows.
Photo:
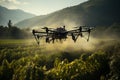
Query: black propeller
(44,28)
(47,29)
(80,26)
(79,29)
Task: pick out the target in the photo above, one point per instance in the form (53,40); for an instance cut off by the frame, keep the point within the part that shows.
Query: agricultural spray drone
(51,34)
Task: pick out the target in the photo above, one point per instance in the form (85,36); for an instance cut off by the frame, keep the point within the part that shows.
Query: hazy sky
(39,7)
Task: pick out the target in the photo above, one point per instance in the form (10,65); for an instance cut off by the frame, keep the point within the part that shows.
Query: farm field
(25,60)
(78,40)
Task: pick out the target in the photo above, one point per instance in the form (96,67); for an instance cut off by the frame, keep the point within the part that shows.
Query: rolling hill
(92,12)
(15,15)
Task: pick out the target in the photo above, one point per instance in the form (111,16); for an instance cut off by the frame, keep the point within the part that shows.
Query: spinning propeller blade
(46,28)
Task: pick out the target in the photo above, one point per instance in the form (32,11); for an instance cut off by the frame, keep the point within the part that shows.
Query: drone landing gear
(74,38)
(37,39)
(88,36)
(47,40)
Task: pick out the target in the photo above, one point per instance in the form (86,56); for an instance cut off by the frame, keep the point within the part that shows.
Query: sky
(39,7)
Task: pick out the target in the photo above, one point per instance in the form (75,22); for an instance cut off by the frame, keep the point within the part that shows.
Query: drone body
(61,33)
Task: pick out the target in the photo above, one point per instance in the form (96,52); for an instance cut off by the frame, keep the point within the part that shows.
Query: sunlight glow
(39,7)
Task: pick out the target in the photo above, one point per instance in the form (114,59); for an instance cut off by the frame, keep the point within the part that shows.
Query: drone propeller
(80,26)
(79,29)
(76,27)
(47,29)
(44,28)
(87,27)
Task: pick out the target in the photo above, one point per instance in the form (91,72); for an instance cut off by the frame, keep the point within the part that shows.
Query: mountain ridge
(92,12)
(15,15)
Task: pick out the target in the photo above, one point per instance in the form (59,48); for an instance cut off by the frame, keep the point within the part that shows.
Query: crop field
(23,59)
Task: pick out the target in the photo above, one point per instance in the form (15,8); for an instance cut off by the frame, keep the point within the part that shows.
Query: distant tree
(9,24)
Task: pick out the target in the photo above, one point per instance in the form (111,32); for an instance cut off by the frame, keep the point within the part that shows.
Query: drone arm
(88,36)
(36,38)
(77,36)
(40,32)
(72,31)
(33,31)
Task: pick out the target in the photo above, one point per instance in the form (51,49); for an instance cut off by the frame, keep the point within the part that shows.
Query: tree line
(12,32)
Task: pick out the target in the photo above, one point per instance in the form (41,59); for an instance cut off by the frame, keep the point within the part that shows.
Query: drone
(51,34)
